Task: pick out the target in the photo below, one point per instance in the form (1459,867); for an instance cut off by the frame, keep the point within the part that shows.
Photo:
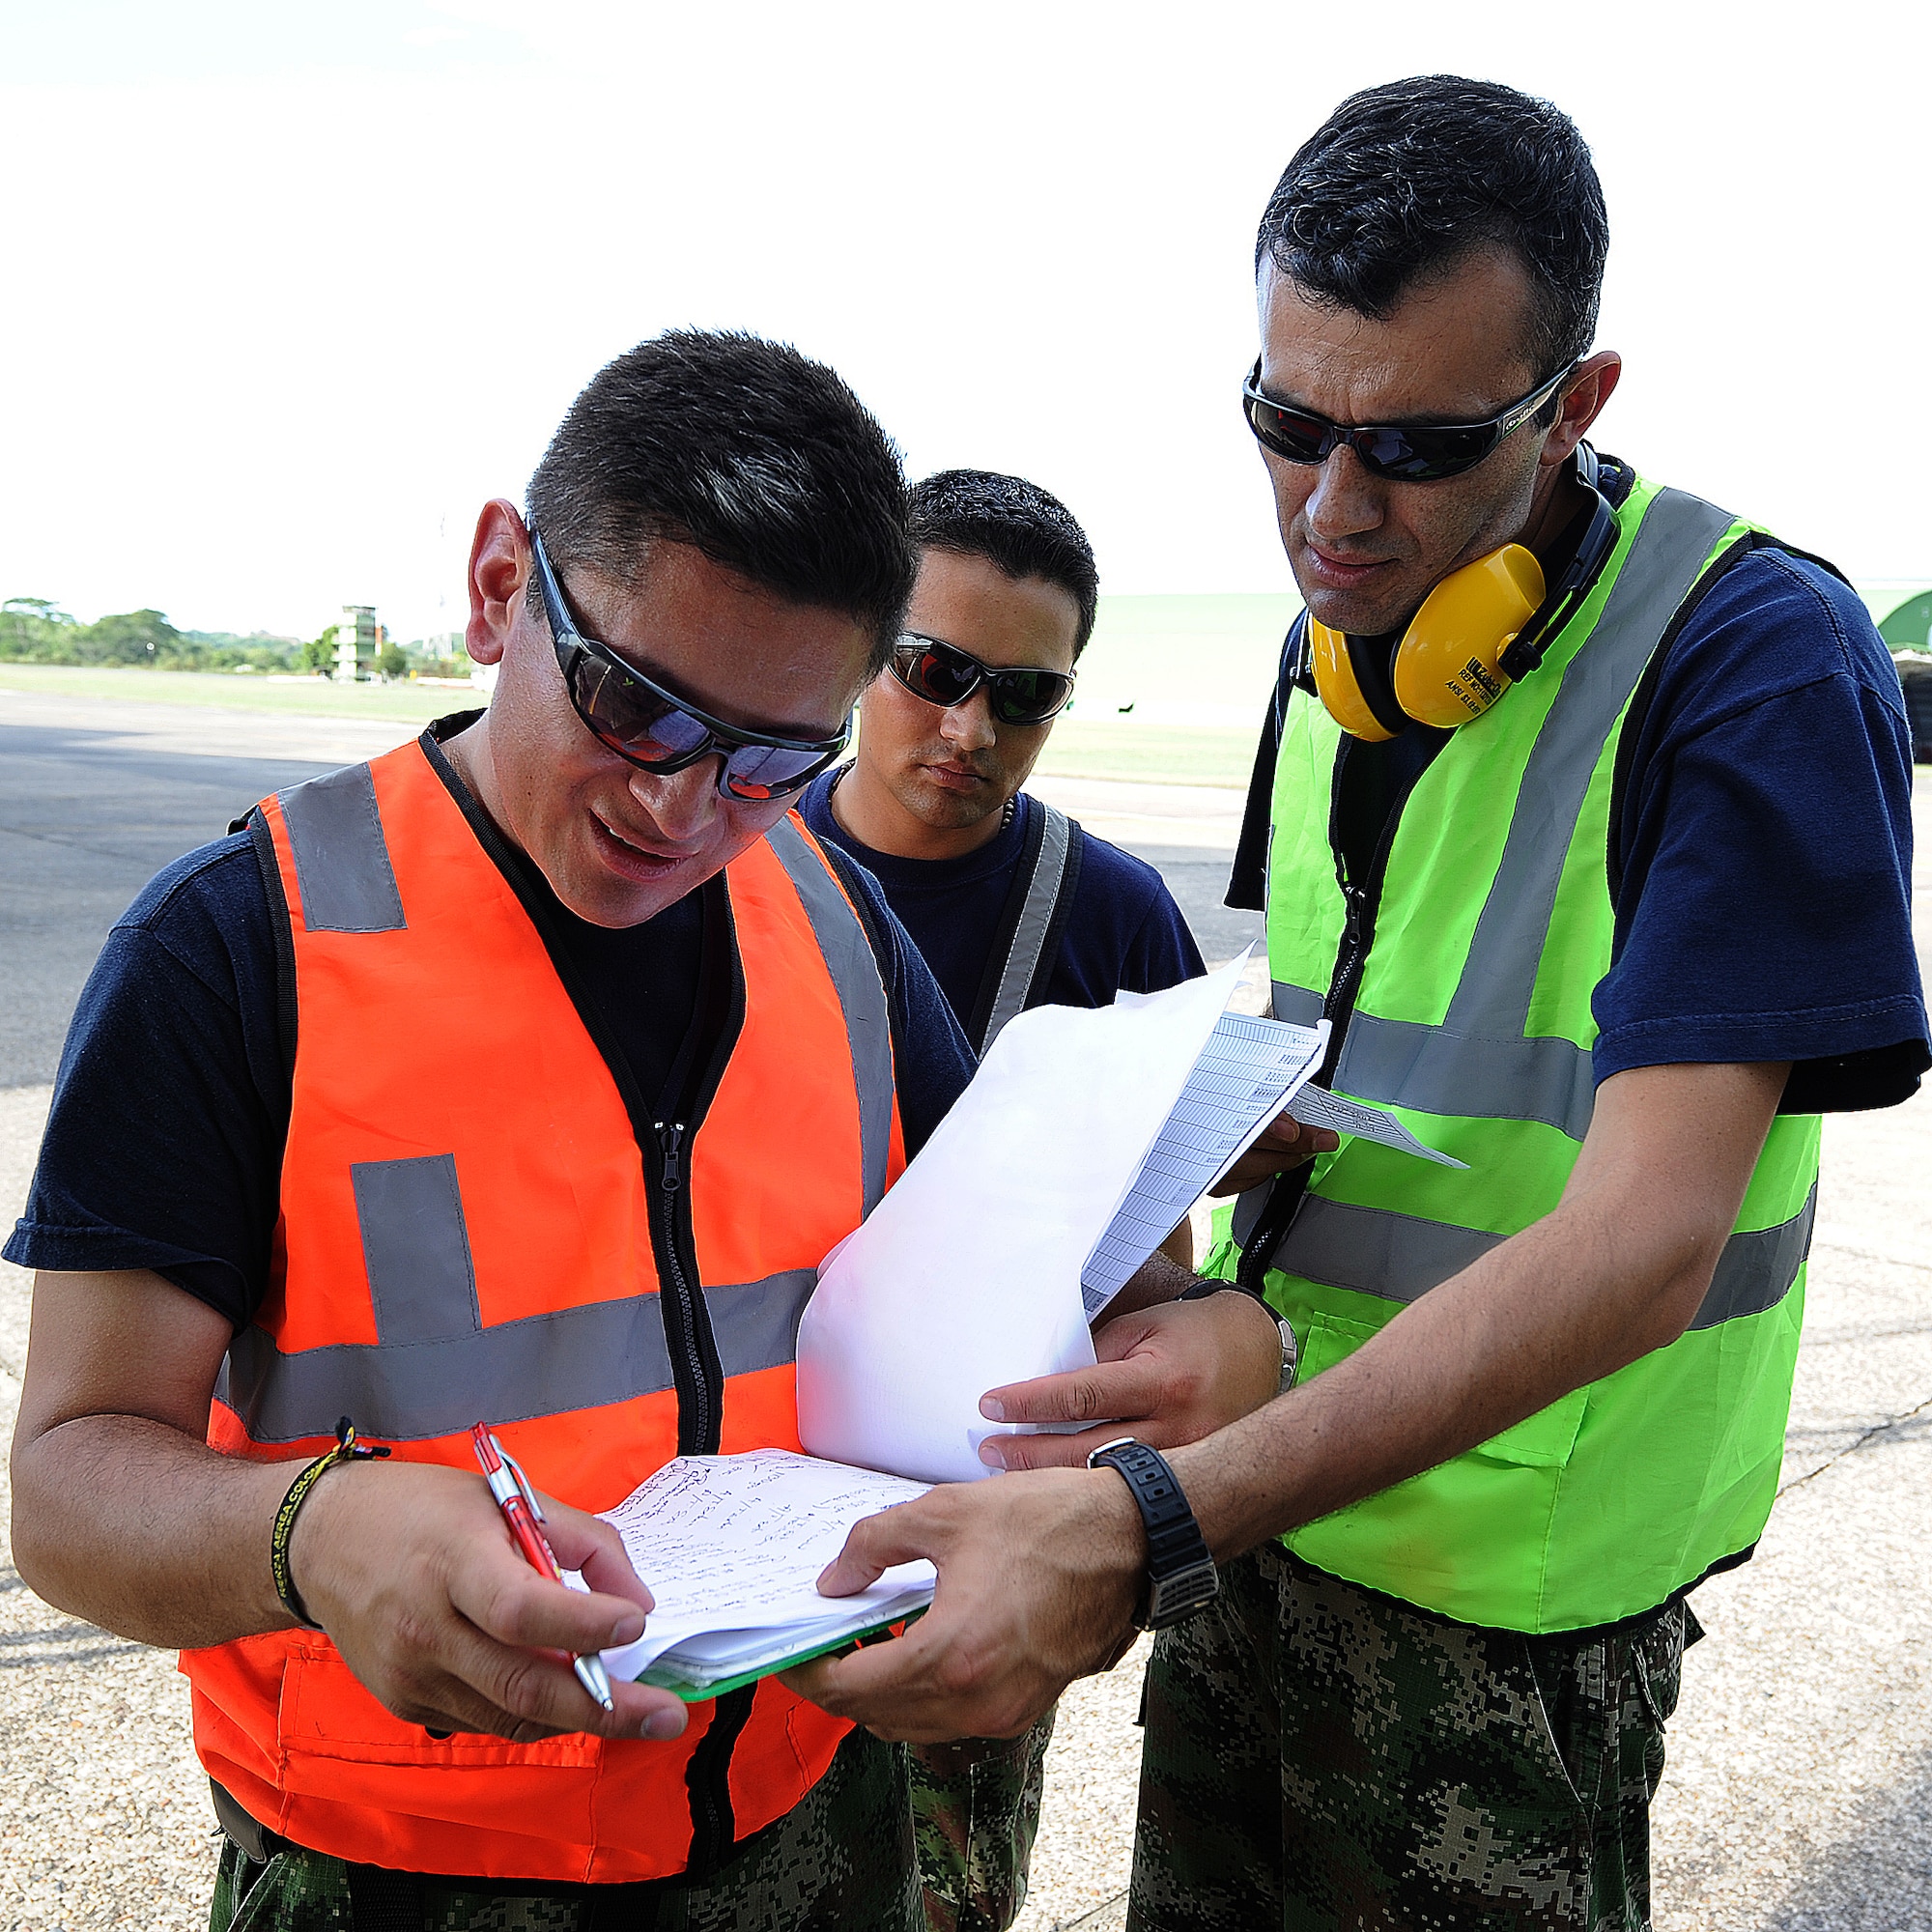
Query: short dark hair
(1023,529)
(754,454)
(1403,180)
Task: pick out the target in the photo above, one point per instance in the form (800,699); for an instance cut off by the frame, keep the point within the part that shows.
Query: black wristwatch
(1182,1577)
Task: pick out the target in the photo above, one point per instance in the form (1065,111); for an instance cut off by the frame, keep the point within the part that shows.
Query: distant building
(357,639)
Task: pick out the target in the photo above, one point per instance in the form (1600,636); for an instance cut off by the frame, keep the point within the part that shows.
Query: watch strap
(1182,1576)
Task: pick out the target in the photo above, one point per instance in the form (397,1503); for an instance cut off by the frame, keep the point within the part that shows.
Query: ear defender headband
(1479,629)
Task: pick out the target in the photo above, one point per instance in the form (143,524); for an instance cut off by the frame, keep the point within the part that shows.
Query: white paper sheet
(1313,1107)
(967,1274)
(1248,1071)
(731,1547)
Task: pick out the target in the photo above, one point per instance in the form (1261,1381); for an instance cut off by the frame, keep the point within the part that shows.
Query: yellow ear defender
(1483,627)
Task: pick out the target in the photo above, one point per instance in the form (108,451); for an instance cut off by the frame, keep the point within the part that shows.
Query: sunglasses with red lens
(652,728)
(945,675)
(1403,452)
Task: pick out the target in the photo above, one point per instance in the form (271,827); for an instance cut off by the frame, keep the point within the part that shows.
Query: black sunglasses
(944,674)
(1406,452)
(660,732)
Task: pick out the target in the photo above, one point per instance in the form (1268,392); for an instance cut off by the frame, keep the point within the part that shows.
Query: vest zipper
(696,1368)
(670,1136)
(686,1325)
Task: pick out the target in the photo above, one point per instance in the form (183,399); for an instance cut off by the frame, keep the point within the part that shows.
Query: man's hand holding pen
(413,1573)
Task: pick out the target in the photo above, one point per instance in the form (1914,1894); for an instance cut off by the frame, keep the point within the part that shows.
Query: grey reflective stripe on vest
(342,860)
(861,997)
(1478,1062)
(577,1358)
(434,1369)
(1300,1005)
(416,1248)
(1401,1257)
(1036,921)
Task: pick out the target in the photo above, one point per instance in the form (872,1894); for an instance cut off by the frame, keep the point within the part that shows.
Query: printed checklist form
(1243,1079)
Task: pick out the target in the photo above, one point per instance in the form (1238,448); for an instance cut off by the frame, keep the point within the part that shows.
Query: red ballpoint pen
(524,1512)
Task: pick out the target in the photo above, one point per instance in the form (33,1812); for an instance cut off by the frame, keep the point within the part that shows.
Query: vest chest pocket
(1540,1441)
(1543,1440)
(326,1713)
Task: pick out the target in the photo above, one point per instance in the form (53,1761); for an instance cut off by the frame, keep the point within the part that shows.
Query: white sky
(292,289)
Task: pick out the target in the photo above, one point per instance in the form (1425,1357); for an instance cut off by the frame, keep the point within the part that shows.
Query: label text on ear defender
(1482,679)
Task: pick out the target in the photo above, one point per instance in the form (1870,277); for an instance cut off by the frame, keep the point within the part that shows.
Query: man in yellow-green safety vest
(1582,817)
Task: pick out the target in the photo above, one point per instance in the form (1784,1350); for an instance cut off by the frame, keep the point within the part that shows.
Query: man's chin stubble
(949,810)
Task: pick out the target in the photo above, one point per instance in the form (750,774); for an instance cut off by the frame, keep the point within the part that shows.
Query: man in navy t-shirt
(1584,819)
(1012,904)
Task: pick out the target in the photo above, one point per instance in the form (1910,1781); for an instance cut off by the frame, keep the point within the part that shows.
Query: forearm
(1570,1299)
(124,1515)
(141,1529)
(1159,1278)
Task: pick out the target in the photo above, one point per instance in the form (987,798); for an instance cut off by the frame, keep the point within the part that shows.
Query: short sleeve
(1763,840)
(1162,952)
(170,1111)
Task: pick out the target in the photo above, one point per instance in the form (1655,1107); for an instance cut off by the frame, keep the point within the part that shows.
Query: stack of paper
(1082,1141)
(731,1547)
(967,1275)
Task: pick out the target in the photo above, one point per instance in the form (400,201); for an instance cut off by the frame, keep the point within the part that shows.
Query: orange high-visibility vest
(469,1233)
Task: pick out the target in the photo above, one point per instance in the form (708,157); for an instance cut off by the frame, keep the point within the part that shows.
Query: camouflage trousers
(841,1861)
(975,1814)
(1325,1759)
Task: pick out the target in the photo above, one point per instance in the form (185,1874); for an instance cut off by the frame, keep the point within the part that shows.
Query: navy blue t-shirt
(1764,843)
(1123,931)
(164,1148)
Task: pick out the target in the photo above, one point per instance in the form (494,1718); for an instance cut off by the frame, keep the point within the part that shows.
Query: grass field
(315,697)
(1172,689)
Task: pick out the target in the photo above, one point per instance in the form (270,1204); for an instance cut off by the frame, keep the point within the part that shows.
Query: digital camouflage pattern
(975,1815)
(1325,1759)
(842,1860)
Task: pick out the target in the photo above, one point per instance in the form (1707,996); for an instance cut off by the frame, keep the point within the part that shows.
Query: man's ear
(1582,404)
(499,566)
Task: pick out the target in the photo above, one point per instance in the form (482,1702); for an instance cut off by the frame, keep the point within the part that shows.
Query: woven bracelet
(346,1449)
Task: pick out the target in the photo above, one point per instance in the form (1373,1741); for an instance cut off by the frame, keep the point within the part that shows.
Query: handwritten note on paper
(734,1543)
(1247,1069)
(1313,1107)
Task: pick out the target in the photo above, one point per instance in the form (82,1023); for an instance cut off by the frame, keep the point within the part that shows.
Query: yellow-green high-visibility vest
(1470,1015)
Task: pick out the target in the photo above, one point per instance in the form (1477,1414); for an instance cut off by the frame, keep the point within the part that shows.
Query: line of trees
(34,630)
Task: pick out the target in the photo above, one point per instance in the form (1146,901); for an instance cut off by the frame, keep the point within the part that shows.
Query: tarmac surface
(1799,1794)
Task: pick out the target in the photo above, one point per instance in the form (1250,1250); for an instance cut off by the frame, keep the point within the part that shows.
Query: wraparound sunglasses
(1405,452)
(945,675)
(658,732)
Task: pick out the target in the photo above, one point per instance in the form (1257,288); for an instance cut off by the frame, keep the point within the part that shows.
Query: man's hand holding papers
(1039,1578)
(1284,1142)
(1168,1373)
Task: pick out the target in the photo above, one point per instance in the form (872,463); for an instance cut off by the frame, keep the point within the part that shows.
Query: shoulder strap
(847,868)
(1026,943)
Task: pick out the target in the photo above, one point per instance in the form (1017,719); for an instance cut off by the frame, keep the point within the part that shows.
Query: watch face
(1183,1593)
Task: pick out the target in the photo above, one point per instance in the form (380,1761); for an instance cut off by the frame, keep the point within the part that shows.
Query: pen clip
(515,1469)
